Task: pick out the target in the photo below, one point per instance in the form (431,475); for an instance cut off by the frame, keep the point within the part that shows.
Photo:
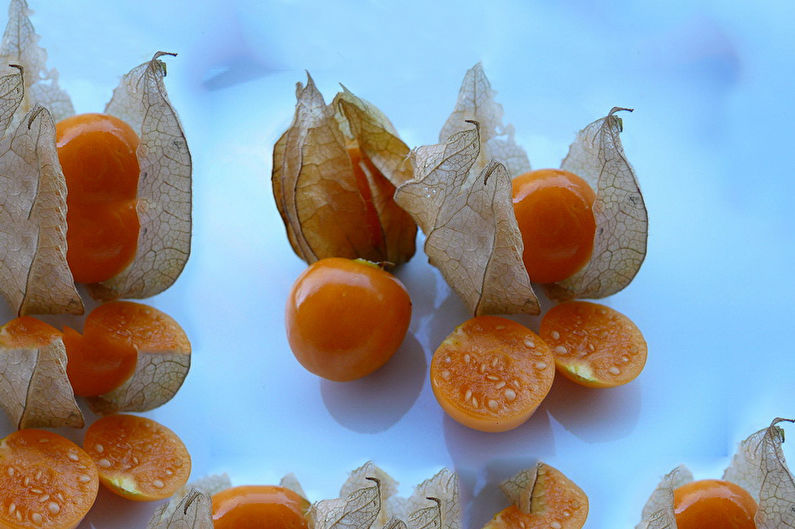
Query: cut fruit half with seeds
(46,481)
(594,345)
(491,373)
(543,498)
(137,458)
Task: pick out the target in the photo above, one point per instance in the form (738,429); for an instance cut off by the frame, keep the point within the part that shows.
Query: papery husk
(326,211)
(471,233)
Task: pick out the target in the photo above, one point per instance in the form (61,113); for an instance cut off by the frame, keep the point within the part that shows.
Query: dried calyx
(540,496)
(35,388)
(367,500)
(461,197)
(758,467)
(334,173)
(35,277)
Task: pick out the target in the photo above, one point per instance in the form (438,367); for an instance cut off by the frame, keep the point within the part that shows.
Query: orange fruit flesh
(129,324)
(713,504)
(46,481)
(554,212)
(491,373)
(137,458)
(27,331)
(97,153)
(345,319)
(557,503)
(259,507)
(97,364)
(105,356)
(594,345)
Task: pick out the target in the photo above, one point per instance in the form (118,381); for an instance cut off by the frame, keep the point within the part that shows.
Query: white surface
(711,142)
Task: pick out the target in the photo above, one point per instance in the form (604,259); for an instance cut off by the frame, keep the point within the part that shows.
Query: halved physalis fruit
(46,481)
(334,174)
(98,362)
(34,387)
(757,491)
(491,373)
(543,497)
(137,458)
(129,334)
(594,345)
(259,507)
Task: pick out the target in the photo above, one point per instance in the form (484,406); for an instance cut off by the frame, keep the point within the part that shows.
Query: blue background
(710,139)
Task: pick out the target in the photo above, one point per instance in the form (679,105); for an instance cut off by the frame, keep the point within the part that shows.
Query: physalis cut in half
(757,491)
(334,175)
(129,357)
(541,497)
(462,198)
(127,191)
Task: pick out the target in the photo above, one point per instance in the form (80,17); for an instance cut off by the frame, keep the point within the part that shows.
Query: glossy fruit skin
(97,153)
(259,507)
(346,318)
(554,211)
(713,504)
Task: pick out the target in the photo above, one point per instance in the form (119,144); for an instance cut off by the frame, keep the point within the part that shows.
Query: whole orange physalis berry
(98,157)
(259,507)
(554,212)
(346,318)
(713,504)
